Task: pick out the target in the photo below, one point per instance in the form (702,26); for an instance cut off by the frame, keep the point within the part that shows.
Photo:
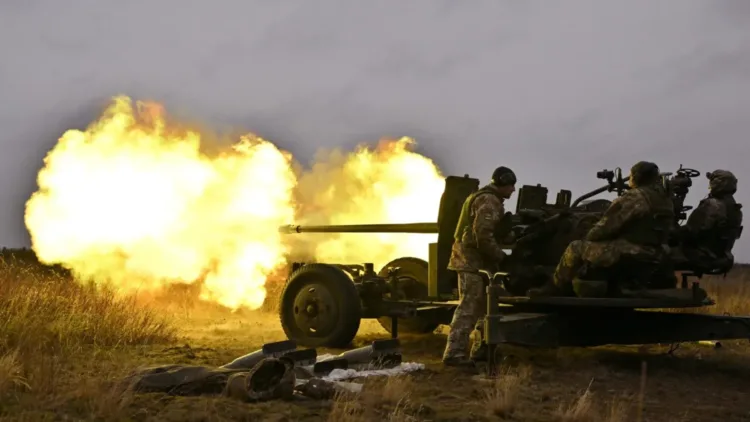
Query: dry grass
(586,408)
(732,294)
(501,399)
(47,320)
(11,371)
(389,399)
(47,312)
(345,407)
(581,410)
(395,390)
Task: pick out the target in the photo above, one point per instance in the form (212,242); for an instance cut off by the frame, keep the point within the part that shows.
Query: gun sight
(605,174)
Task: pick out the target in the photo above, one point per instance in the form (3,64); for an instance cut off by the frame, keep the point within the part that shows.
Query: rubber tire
(417,269)
(345,296)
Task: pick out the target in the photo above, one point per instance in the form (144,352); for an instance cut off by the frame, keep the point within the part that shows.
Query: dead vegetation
(586,408)
(48,321)
(47,312)
(387,399)
(501,398)
(65,345)
(731,293)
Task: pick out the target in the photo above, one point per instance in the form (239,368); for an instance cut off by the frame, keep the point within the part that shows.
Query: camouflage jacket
(642,216)
(713,226)
(476,246)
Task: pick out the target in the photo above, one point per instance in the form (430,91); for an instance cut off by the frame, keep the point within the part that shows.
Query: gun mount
(678,185)
(322,303)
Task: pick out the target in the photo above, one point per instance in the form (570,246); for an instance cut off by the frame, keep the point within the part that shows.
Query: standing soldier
(476,248)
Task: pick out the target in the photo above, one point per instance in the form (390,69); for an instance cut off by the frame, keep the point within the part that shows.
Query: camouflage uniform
(636,224)
(475,248)
(710,232)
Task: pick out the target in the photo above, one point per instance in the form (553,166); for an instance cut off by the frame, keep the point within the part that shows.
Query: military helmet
(644,173)
(503,176)
(722,182)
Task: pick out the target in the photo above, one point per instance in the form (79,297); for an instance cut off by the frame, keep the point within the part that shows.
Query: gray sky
(555,90)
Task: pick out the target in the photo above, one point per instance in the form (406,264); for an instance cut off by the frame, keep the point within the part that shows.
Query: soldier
(636,224)
(476,248)
(712,228)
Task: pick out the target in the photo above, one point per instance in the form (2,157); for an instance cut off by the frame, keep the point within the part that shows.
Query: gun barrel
(428,228)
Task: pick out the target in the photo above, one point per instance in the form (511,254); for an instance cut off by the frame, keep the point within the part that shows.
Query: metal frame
(588,322)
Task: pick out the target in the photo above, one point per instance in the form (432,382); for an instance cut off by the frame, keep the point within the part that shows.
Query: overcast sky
(555,90)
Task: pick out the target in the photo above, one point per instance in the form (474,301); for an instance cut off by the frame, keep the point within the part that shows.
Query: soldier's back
(654,219)
(465,255)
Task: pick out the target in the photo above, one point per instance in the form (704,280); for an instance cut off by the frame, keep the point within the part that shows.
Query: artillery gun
(322,304)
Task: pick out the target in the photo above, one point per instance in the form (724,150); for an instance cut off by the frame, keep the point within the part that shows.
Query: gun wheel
(413,277)
(320,307)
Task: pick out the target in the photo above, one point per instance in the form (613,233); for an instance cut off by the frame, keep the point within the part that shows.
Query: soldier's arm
(489,212)
(622,210)
(704,217)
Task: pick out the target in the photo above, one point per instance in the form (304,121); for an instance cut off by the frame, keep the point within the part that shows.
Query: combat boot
(479,353)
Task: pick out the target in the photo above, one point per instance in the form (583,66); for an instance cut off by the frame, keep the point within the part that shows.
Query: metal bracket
(495,287)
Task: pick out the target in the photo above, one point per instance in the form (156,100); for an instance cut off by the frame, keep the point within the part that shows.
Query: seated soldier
(636,225)
(707,238)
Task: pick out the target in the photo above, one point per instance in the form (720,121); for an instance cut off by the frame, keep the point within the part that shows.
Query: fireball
(135,201)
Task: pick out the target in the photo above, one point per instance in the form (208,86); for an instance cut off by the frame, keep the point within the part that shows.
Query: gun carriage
(322,304)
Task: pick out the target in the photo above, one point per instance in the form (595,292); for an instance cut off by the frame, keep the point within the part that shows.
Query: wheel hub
(315,310)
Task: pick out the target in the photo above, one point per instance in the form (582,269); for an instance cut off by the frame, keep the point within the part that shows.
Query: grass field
(65,347)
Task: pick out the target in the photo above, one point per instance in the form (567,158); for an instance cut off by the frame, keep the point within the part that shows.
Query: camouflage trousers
(595,255)
(700,259)
(469,315)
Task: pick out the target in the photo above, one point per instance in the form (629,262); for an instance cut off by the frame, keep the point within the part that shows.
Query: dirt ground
(63,349)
